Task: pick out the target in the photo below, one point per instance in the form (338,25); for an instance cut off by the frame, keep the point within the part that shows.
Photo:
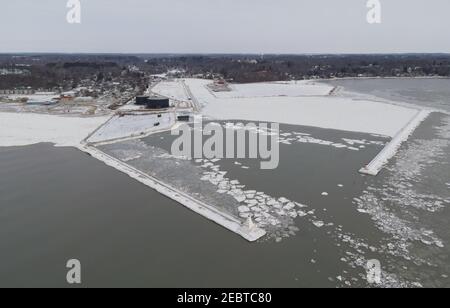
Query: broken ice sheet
(274,215)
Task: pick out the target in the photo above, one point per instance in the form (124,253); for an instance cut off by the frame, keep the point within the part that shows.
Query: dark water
(58,204)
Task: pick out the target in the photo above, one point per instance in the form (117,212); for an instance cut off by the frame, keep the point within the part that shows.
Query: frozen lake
(427,92)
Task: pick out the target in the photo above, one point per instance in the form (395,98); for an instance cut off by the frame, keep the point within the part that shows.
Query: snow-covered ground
(33,97)
(342,113)
(172,89)
(18,129)
(273,89)
(132,125)
(326,112)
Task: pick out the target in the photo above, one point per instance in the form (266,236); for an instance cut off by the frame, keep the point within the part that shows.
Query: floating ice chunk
(293,214)
(272,202)
(318,224)
(240,198)
(251,202)
(243,209)
(281,212)
(339,145)
(289,206)
(439,244)
(283,200)
(205,178)
(302,206)
(256,209)
(302,214)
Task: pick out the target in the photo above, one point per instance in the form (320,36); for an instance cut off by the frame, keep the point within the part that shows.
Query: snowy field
(273,89)
(327,112)
(26,128)
(342,113)
(32,97)
(172,89)
(132,125)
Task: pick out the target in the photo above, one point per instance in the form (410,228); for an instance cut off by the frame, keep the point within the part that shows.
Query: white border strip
(375,166)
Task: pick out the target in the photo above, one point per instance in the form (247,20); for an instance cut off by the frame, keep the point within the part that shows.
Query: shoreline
(379,77)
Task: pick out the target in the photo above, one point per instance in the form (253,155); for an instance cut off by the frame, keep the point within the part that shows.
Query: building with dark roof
(153,102)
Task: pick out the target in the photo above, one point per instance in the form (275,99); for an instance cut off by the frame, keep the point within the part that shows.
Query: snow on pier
(375,166)
(248,231)
(132,125)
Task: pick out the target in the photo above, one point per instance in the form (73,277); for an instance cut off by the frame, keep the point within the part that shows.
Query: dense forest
(67,70)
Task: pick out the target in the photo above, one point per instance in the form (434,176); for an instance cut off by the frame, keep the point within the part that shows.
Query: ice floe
(275,215)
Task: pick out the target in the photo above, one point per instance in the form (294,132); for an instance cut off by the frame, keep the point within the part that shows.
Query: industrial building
(153,102)
(184,116)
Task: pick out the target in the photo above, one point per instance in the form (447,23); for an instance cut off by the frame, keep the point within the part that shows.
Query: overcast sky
(225,26)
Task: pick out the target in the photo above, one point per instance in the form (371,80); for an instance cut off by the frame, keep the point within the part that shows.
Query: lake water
(427,92)
(59,203)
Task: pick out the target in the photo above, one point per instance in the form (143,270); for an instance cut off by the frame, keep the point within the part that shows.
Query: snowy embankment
(172,89)
(249,232)
(19,129)
(375,166)
(132,125)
